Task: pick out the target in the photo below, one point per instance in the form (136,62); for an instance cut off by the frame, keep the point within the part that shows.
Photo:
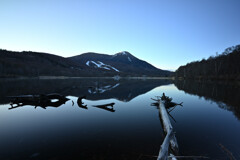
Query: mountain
(33,64)
(122,63)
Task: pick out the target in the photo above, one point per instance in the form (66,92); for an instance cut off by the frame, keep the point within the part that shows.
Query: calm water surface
(207,124)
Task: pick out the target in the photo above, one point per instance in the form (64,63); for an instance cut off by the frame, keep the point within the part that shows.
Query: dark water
(207,124)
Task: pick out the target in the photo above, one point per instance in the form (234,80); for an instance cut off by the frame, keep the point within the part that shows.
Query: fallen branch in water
(155,99)
(42,100)
(80,103)
(229,154)
(108,107)
(168,130)
(163,103)
(202,157)
(172,157)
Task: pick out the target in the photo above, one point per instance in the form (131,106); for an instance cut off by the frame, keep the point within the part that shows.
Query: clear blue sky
(166,33)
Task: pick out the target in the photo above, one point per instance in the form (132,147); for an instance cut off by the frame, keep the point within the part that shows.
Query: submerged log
(107,107)
(168,130)
(38,100)
(80,103)
(168,103)
(163,103)
(168,126)
(34,98)
(163,153)
(172,104)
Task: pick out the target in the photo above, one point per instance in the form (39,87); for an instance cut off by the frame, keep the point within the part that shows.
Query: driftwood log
(163,103)
(107,107)
(80,103)
(38,100)
(168,130)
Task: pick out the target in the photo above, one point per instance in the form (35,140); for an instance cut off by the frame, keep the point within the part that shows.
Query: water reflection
(226,95)
(86,126)
(15,91)
(101,89)
(43,101)
(51,100)
(94,89)
(80,103)
(115,124)
(107,107)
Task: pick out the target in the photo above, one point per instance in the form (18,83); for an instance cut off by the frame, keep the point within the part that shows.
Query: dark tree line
(222,66)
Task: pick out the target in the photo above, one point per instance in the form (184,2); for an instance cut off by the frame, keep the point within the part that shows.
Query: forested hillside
(34,64)
(224,66)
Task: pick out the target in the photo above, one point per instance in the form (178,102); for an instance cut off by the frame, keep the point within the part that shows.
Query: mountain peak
(122,53)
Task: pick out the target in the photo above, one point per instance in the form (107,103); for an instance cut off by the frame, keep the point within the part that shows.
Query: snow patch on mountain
(119,53)
(115,69)
(102,89)
(124,53)
(99,64)
(129,59)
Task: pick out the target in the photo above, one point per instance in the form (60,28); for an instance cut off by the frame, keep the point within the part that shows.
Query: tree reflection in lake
(226,95)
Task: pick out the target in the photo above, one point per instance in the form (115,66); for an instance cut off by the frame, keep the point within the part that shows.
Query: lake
(208,123)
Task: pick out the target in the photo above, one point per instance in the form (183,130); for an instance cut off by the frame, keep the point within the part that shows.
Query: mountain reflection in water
(108,119)
(93,89)
(103,119)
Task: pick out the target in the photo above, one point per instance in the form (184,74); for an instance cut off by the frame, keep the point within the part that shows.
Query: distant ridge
(33,64)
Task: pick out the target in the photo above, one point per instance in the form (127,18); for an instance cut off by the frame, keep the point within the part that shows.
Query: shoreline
(65,77)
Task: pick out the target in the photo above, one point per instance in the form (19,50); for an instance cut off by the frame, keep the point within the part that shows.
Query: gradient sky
(166,33)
